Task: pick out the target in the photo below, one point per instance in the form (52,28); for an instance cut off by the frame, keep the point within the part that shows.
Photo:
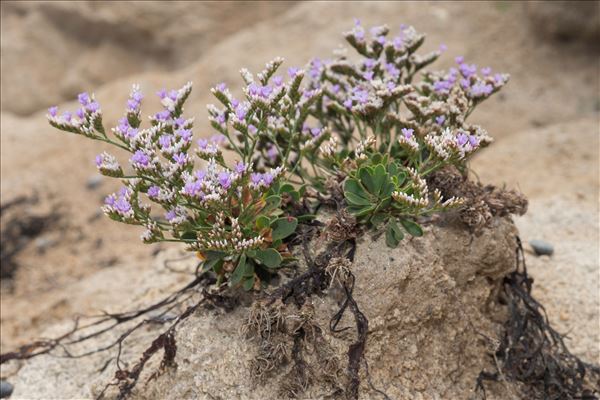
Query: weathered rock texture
(431,306)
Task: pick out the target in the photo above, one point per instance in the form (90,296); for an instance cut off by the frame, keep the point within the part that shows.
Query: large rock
(430,304)
(53,50)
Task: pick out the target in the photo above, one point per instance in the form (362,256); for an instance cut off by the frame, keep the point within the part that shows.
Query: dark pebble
(6,389)
(93,182)
(541,248)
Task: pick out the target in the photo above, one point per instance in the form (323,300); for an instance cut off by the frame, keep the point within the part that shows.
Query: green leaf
(378,219)
(210,264)
(283,227)
(272,202)
(390,237)
(388,189)
(356,199)
(269,257)
(366,178)
(248,283)
(353,186)
(412,227)
(239,271)
(189,235)
(262,222)
(396,229)
(379,178)
(360,211)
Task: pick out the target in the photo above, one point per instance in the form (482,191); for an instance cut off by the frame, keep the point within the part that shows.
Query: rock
(425,311)
(6,389)
(541,248)
(94,182)
(571,20)
(52,51)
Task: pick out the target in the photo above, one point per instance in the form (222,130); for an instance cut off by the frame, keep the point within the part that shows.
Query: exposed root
(482,203)
(532,352)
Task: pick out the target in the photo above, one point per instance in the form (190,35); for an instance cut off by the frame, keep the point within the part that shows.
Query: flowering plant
(380,132)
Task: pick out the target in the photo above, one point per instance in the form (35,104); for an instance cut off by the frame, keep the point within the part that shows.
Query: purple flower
(459,59)
(179,122)
(162,115)
(356,21)
(200,174)
(267,178)
(137,96)
(486,71)
(443,47)
(392,70)
(369,63)
(316,132)
(109,200)
(123,124)
(203,143)
(277,80)
(171,215)
(139,158)
(131,133)
(173,94)
(272,153)
(360,95)
(67,116)
(99,160)
(381,39)
(240,167)
(53,111)
(293,71)
(335,88)
(80,113)
(162,93)
(468,70)
(442,86)
(498,79)
(253,89)
(461,139)
(440,120)
(391,85)
(473,141)
(240,112)
(181,158)
(93,107)
(122,205)
(368,75)
(465,83)
(153,191)
(220,118)
(185,134)
(398,42)
(255,178)
(265,91)
(132,105)
(218,138)
(225,179)
(165,141)
(221,87)
(348,103)
(83,98)
(252,129)
(481,89)
(192,188)
(407,132)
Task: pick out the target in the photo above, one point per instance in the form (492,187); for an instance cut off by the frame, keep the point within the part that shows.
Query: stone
(422,308)
(6,389)
(541,248)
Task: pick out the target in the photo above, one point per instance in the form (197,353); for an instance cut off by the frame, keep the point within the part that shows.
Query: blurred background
(546,125)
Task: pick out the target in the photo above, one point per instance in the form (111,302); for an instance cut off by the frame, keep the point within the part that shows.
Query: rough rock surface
(430,305)
(53,50)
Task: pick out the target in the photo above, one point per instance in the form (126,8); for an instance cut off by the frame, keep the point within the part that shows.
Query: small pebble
(541,248)
(6,389)
(93,182)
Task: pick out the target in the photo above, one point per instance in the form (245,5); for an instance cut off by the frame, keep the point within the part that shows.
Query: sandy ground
(545,122)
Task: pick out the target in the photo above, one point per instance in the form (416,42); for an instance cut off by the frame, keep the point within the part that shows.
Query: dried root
(481,202)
